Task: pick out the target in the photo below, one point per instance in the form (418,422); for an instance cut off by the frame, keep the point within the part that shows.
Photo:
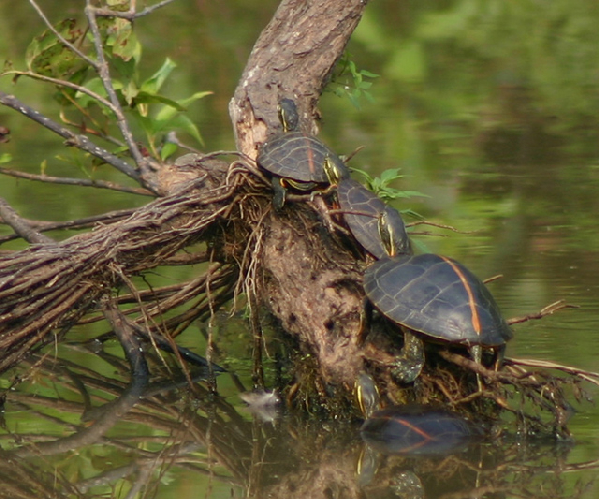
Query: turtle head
(367,395)
(392,232)
(288,116)
(332,170)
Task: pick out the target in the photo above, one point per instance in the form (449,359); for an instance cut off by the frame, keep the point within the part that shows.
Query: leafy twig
(62,39)
(104,73)
(73,139)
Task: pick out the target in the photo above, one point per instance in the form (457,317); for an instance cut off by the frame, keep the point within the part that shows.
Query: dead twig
(42,226)
(548,310)
(590,376)
(81,182)
(438,225)
(21,226)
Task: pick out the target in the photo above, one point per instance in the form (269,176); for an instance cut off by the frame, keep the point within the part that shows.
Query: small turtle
(410,429)
(377,227)
(297,160)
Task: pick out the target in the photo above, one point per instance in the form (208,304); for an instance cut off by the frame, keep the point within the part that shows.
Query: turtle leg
(476,352)
(280,192)
(408,364)
(500,356)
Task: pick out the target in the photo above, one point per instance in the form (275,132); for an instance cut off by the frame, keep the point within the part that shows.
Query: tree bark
(293,58)
(308,280)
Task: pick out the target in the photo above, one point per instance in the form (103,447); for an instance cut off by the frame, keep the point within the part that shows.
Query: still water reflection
(490,115)
(73,431)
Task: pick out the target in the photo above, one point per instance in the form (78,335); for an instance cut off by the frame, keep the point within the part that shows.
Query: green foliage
(380,185)
(46,55)
(349,82)
(142,100)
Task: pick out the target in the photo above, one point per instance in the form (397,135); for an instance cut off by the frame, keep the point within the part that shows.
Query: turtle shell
(417,430)
(438,297)
(354,197)
(298,156)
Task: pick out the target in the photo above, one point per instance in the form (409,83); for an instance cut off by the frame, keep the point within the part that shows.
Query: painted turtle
(416,430)
(438,298)
(411,429)
(297,160)
(371,221)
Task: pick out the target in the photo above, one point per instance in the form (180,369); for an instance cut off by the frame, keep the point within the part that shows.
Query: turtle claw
(278,199)
(405,371)
(409,363)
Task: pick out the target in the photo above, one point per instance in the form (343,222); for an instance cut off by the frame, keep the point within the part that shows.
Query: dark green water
(489,109)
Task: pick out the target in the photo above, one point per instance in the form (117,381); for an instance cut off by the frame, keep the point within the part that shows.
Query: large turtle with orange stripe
(437,298)
(297,160)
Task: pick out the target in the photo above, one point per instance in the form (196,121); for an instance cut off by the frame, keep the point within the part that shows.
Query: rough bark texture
(47,288)
(313,287)
(292,58)
(309,284)
(288,259)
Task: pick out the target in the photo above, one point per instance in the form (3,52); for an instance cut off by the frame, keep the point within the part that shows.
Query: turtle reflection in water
(412,429)
(371,222)
(436,298)
(297,160)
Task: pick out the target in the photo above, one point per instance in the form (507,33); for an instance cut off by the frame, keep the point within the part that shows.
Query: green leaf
(148,98)
(194,97)
(154,83)
(5,158)
(94,85)
(47,55)
(125,69)
(391,174)
(183,123)
(167,112)
(130,93)
(168,149)
(78,77)
(369,74)
(122,40)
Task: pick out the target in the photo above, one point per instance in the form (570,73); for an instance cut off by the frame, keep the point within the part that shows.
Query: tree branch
(73,139)
(43,226)
(21,226)
(81,182)
(104,73)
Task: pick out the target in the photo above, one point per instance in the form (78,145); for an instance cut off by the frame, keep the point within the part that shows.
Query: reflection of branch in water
(195,430)
(109,414)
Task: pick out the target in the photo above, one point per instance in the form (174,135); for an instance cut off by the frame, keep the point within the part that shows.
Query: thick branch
(308,286)
(293,57)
